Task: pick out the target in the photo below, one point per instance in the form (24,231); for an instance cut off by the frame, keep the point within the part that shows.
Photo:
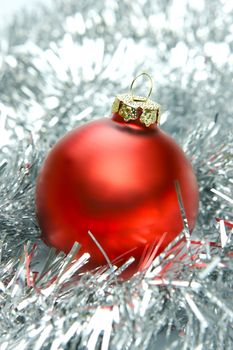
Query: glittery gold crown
(131,107)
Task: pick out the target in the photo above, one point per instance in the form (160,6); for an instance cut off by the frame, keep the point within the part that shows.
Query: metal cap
(132,107)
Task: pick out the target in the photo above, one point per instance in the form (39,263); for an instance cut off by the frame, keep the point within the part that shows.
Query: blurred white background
(9,7)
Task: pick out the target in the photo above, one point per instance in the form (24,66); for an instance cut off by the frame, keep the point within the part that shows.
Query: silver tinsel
(61,67)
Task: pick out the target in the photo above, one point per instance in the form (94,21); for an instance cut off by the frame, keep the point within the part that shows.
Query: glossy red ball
(117,180)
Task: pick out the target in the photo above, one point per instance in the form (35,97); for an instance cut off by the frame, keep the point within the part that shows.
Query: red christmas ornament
(116,178)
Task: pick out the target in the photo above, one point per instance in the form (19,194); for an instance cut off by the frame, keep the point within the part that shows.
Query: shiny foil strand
(61,66)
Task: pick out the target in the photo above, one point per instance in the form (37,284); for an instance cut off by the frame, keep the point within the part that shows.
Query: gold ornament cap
(132,107)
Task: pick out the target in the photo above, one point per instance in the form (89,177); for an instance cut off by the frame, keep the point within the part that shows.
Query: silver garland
(61,67)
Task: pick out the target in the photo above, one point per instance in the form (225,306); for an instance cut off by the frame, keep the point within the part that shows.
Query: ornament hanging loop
(137,98)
